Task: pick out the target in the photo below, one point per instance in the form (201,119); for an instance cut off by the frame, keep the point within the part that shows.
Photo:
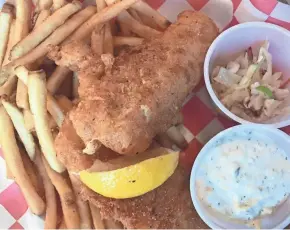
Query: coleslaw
(250,88)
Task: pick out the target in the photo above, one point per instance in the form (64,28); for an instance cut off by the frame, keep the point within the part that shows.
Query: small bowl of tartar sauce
(241,179)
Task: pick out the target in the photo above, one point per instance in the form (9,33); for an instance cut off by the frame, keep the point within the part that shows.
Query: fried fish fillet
(166,207)
(126,101)
(69,147)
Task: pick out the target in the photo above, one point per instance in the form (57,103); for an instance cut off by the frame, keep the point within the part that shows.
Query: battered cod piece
(69,147)
(142,91)
(166,207)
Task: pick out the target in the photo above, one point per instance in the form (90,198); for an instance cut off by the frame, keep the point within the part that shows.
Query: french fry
(125,29)
(57,78)
(60,218)
(13,96)
(15,164)
(135,15)
(44,30)
(22,95)
(67,86)
(58,4)
(111,224)
(174,134)
(28,120)
(129,41)
(23,19)
(166,142)
(37,100)
(9,6)
(22,73)
(50,195)
(43,5)
(9,86)
(83,206)
(67,197)
(54,110)
(62,224)
(114,27)
(6,17)
(5,73)
(10,44)
(101,17)
(97,39)
(108,40)
(17,119)
(9,173)
(75,85)
(147,10)
(42,16)
(52,123)
(64,103)
(85,214)
(52,106)
(21,30)
(34,2)
(101,4)
(96,216)
(56,37)
(32,173)
(148,21)
(151,15)
(136,27)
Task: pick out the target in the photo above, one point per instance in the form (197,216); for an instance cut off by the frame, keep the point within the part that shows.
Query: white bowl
(229,45)
(279,219)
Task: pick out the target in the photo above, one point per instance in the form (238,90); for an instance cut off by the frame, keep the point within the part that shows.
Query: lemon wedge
(133,180)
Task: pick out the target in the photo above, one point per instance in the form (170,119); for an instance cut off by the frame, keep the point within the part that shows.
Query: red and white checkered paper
(201,121)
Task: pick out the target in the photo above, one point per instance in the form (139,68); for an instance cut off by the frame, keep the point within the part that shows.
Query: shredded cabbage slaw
(248,87)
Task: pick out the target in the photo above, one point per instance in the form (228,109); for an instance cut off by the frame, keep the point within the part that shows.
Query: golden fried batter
(167,207)
(142,90)
(124,103)
(70,147)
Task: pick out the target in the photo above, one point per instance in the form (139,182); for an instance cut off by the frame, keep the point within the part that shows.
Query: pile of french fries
(33,107)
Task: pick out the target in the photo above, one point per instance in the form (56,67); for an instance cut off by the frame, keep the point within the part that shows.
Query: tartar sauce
(244,176)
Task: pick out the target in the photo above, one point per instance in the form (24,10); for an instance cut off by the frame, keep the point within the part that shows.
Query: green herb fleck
(267,92)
